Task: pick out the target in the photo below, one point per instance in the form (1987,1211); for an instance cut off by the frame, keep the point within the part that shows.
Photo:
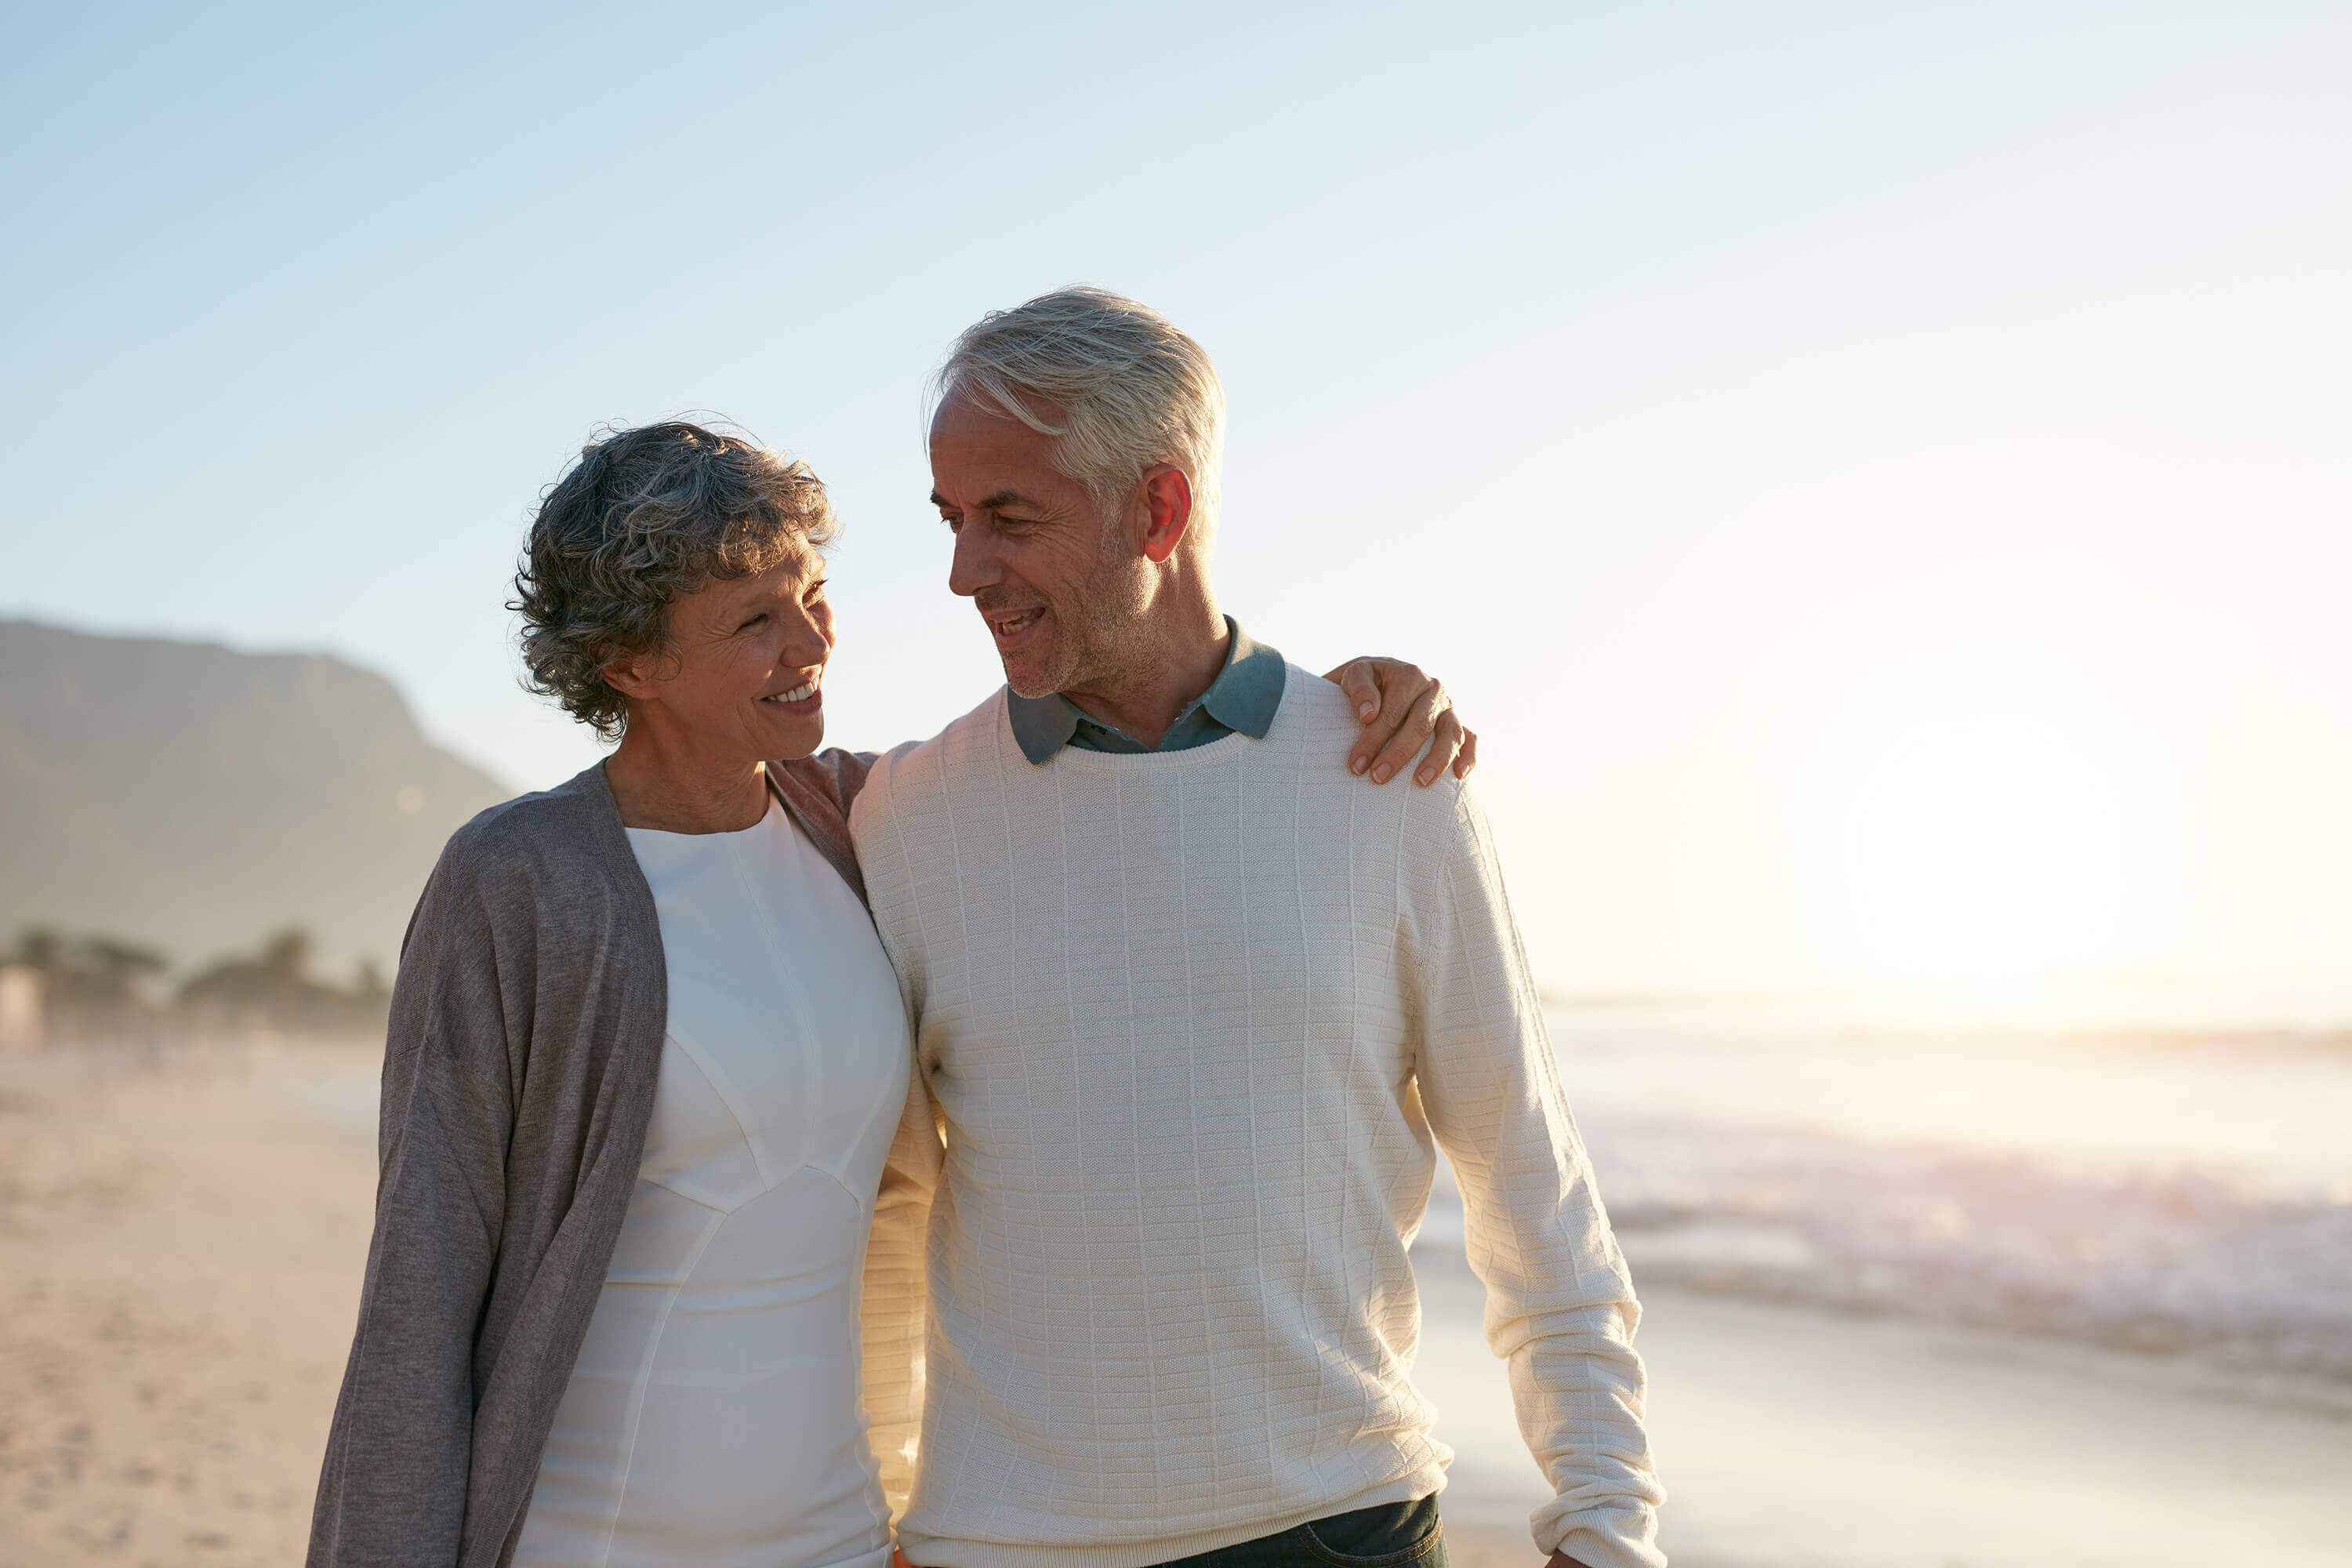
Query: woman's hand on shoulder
(1403,708)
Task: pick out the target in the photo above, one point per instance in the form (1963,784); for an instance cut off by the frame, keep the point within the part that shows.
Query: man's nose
(973,566)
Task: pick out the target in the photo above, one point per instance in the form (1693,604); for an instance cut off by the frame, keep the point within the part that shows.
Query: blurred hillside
(196,798)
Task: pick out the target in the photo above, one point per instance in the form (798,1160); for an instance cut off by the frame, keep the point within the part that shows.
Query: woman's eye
(754,621)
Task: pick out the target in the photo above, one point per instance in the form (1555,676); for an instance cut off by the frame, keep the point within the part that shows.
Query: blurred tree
(275,978)
(286,956)
(91,971)
(99,986)
(369,987)
(116,967)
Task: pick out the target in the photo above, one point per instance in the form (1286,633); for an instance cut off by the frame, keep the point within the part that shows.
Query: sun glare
(1978,860)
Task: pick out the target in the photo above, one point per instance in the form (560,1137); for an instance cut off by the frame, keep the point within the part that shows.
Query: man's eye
(955,524)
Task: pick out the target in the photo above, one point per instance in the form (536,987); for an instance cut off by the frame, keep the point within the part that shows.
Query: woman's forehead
(793,569)
(787,578)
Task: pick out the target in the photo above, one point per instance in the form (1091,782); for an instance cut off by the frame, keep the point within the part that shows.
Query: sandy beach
(181,1238)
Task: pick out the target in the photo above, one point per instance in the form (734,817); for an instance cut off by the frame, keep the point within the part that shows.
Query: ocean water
(2177,1193)
(2174,1194)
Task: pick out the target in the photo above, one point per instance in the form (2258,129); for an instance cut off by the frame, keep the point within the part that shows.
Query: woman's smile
(808,697)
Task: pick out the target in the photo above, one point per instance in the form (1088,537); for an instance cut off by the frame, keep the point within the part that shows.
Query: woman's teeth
(801,693)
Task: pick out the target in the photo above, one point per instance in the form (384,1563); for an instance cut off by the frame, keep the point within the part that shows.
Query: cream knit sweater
(1192,1020)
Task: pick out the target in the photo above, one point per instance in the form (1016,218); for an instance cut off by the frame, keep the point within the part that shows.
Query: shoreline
(1791,1438)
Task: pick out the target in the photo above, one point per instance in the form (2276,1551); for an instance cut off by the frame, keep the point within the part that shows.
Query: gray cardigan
(518,1074)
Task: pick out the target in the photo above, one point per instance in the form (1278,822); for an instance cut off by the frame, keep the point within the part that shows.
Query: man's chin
(1029,687)
(1033,677)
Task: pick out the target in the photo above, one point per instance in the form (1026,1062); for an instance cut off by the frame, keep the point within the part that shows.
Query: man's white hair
(1131,390)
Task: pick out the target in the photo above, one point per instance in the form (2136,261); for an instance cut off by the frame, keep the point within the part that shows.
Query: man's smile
(1010,625)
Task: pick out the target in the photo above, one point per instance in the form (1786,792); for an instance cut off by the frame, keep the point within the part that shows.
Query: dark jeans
(1389,1535)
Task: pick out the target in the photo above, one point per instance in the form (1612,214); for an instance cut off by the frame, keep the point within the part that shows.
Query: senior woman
(649,1129)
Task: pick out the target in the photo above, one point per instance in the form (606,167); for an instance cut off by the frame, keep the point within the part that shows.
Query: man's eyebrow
(996,503)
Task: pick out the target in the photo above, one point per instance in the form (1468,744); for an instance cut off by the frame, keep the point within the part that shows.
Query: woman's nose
(807,640)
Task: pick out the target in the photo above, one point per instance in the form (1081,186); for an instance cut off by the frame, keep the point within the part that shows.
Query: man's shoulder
(1313,708)
(1318,727)
(916,774)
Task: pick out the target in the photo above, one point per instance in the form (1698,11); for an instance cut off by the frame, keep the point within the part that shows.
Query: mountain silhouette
(196,798)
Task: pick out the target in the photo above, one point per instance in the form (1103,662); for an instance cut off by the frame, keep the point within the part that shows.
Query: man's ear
(1168,508)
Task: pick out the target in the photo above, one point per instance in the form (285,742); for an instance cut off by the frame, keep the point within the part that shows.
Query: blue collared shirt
(1242,698)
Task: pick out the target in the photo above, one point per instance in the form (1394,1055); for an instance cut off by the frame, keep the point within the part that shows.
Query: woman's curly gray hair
(645,516)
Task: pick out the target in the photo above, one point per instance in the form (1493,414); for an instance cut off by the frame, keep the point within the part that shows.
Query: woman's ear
(630,675)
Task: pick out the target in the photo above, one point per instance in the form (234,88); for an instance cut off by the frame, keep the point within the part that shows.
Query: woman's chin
(794,736)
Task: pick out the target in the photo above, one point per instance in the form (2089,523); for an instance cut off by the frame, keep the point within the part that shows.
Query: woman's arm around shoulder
(893,1309)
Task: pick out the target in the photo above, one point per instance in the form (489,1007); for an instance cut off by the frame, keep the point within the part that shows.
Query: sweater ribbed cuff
(1609,1538)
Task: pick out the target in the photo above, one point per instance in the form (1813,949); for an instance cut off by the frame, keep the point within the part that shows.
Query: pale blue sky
(1877,475)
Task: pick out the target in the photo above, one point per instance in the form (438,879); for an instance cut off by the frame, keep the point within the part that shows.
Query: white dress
(712,1420)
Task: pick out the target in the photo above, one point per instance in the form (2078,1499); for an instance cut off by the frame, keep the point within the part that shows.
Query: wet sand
(1791,1438)
(180,1249)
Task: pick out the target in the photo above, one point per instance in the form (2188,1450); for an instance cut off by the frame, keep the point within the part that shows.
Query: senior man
(1192,1004)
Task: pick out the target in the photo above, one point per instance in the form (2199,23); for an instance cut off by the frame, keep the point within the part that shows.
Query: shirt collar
(1245,696)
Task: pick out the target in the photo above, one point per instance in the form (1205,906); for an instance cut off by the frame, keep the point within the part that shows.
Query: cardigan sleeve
(1559,1303)
(844,773)
(395,1483)
(893,1309)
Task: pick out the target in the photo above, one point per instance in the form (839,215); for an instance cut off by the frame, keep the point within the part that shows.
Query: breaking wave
(2186,1255)
(2156,1260)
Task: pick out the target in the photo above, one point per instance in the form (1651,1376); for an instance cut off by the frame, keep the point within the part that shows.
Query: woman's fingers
(1412,733)
(1445,747)
(1355,677)
(1403,708)
(1399,685)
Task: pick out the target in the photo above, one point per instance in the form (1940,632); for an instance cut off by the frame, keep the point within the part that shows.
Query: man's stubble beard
(1098,645)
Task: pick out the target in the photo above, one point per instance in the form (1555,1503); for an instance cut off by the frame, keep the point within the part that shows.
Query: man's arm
(1560,1304)
(1403,708)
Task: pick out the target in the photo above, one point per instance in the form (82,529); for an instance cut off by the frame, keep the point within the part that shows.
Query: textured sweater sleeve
(394,1484)
(892,1311)
(1560,1304)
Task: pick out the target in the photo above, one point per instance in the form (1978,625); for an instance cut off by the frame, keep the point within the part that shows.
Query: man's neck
(1183,662)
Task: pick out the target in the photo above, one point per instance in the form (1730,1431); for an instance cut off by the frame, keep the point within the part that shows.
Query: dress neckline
(663,834)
